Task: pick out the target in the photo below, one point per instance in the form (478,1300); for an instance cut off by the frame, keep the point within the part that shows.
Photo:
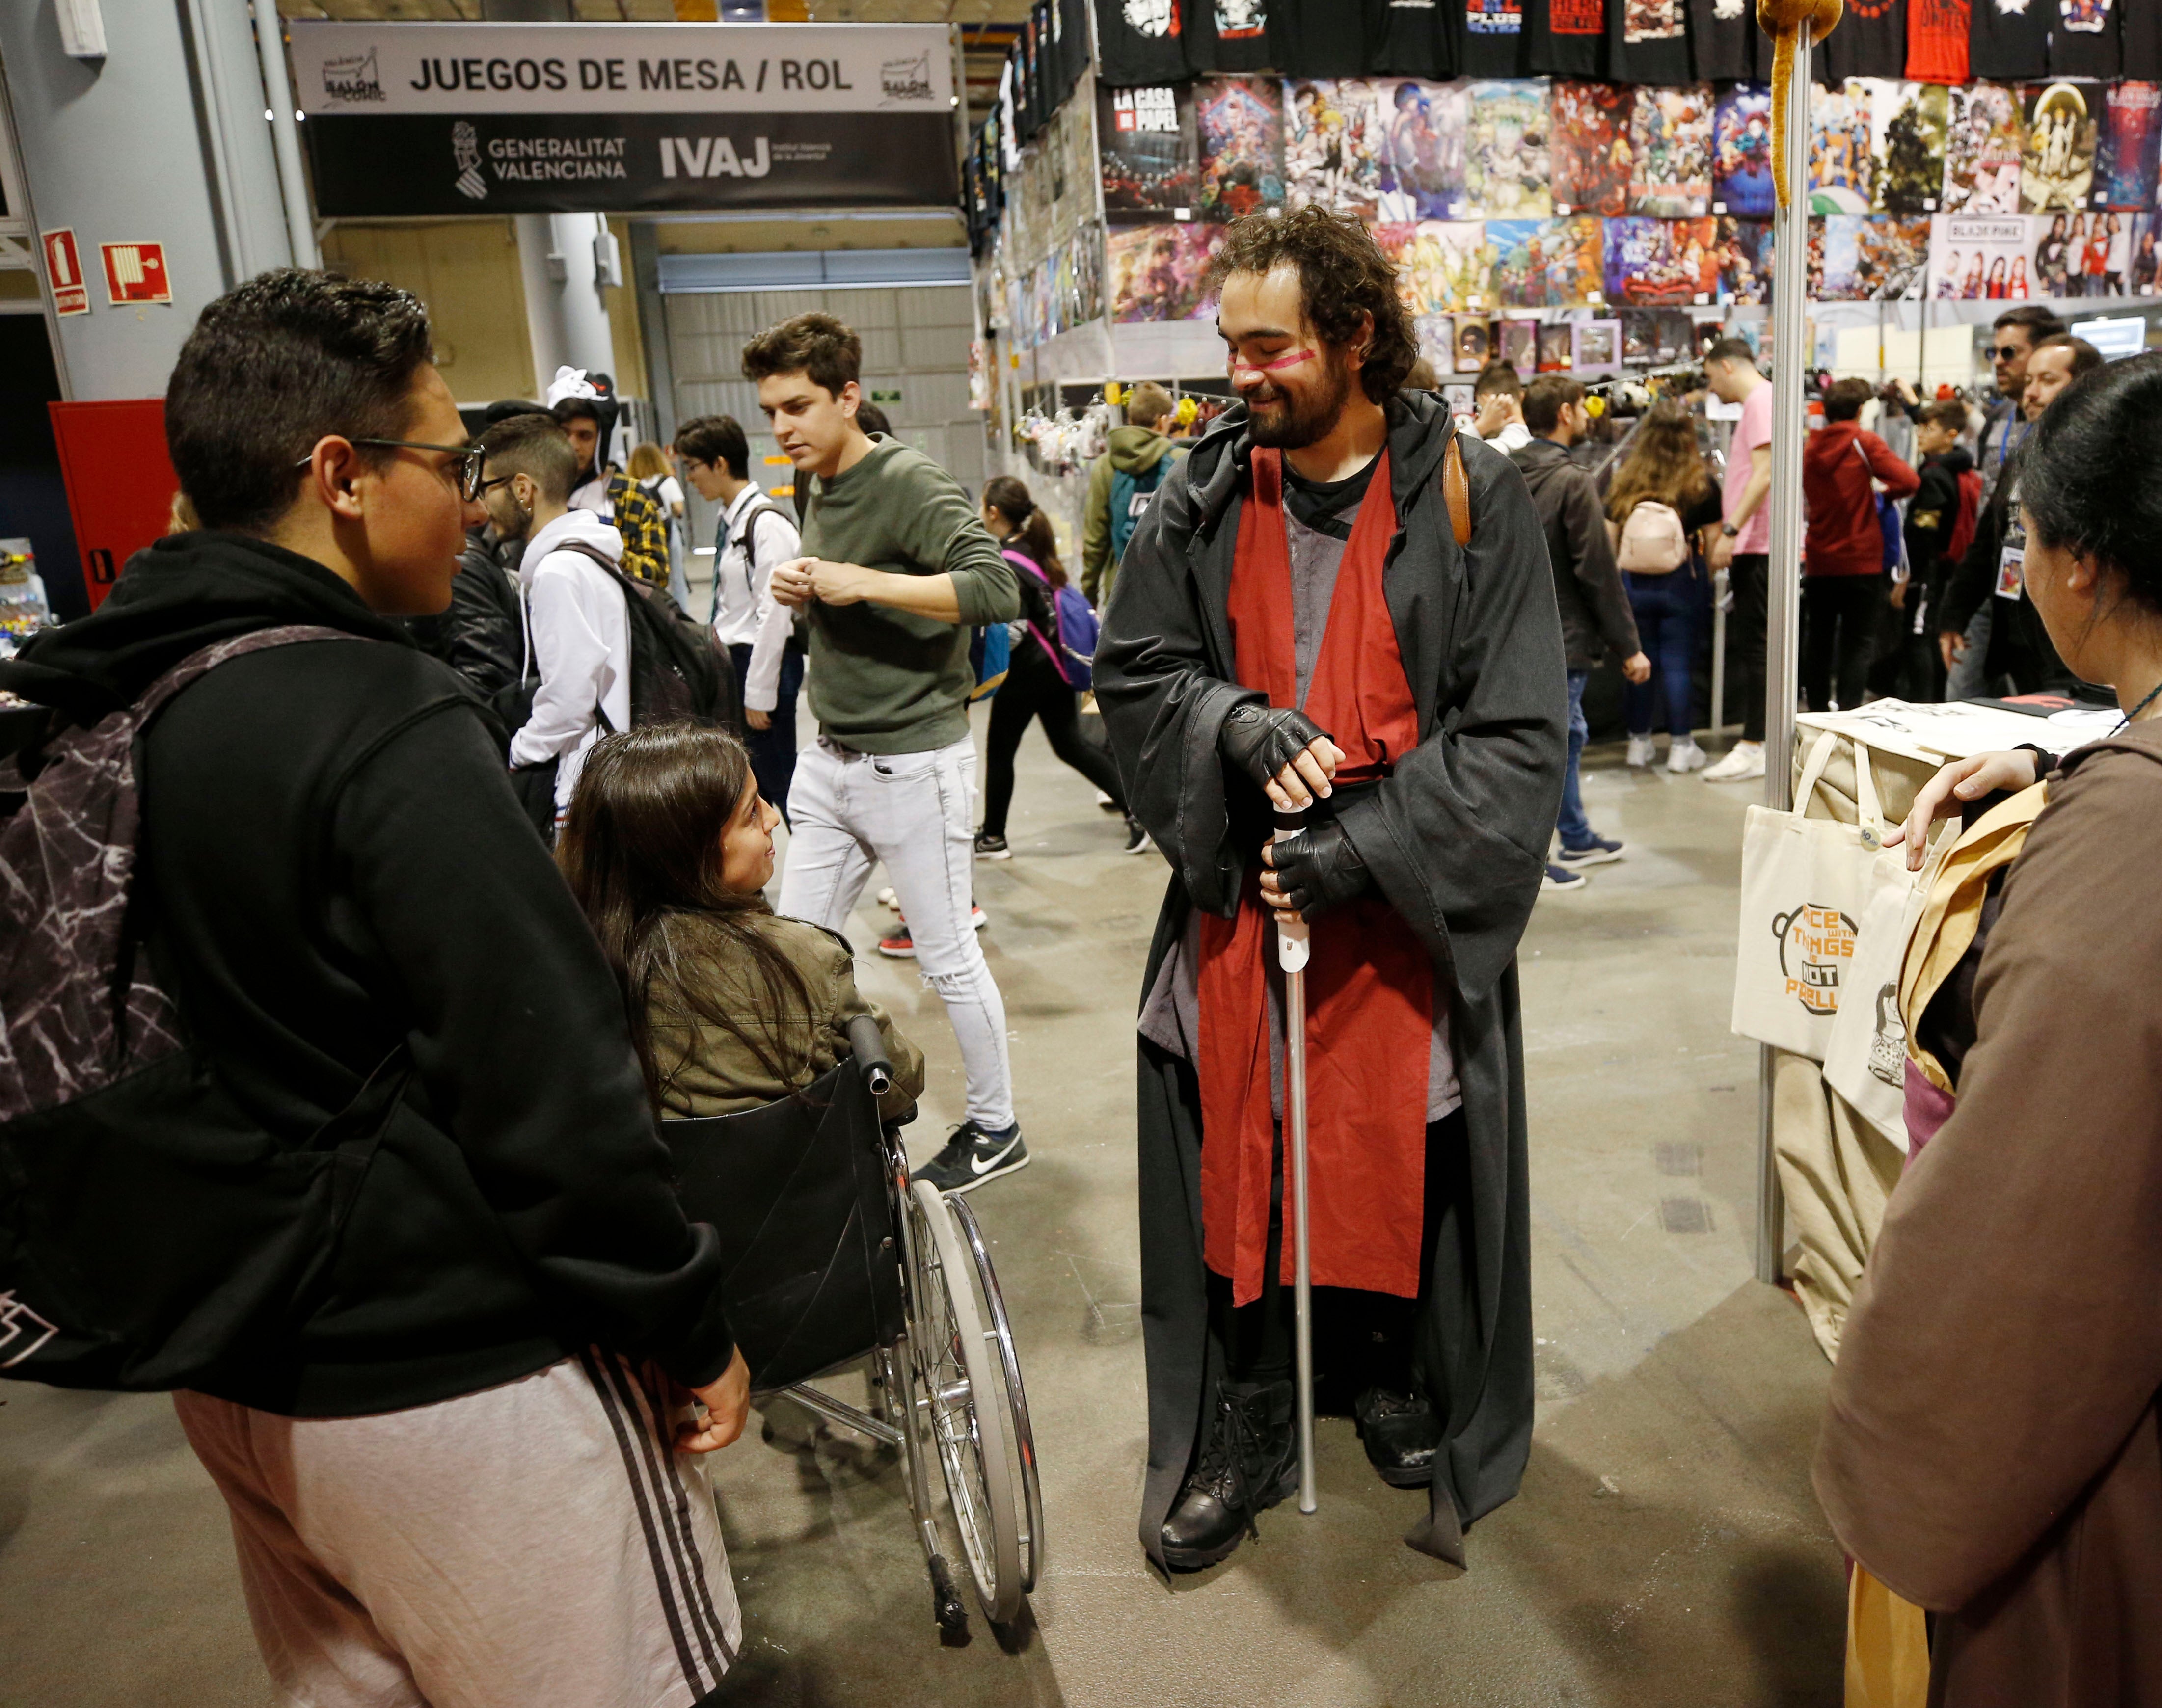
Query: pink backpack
(1653,542)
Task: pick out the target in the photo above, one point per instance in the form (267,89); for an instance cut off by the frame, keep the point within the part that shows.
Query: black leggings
(1034,689)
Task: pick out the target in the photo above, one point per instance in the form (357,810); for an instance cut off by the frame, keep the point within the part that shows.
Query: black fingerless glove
(1261,740)
(1319,868)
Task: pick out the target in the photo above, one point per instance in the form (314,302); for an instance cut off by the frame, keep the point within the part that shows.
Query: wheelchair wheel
(1018,1430)
(961,1395)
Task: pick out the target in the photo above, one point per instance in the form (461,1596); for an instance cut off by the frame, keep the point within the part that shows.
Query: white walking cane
(1291,945)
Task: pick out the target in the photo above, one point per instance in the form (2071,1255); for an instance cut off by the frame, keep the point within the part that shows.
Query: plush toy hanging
(1781,19)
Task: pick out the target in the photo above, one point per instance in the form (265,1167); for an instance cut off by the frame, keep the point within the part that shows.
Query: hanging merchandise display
(1723,42)
(2125,163)
(1907,123)
(2007,39)
(1569,37)
(1139,42)
(1936,40)
(1493,43)
(1647,41)
(1322,38)
(1871,41)
(1333,145)
(1506,169)
(2083,38)
(1150,159)
(2140,42)
(1982,150)
(1239,124)
(1670,152)
(1228,35)
(1741,152)
(2057,147)
(1409,38)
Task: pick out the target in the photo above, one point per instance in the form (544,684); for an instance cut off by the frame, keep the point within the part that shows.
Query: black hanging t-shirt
(1410,39)
(2009,40)
(1491,40)
(1647,41)
(1228,35)
(2141,41)
(1870,41)
(1723,36)
(1569,38)
(1071,24)
(2083,40)
(1140,43)
(1316,38)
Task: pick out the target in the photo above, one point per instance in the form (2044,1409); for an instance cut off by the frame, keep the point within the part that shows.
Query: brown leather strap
(1457,491)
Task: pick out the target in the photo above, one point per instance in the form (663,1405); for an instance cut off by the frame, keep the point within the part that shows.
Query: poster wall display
(1535,263)
(417,119)
(1744,256)
(2083,254)
(1505,160)
(1976,258)
(1907,124)
(2126,160)
(1423,151)
(2057,147)
(1662,264)
(1238,123)
(1842,170)
(1742,181)
(1333,146)
(1151,163)
(1156,271)
(1443,265)
(1670,148)
(1868,258)
(1982,151)
(1590,147)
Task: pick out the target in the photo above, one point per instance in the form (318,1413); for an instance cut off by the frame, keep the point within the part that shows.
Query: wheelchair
(836,1258)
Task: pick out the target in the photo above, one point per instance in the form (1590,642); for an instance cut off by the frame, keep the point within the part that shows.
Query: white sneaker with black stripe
(973,1156)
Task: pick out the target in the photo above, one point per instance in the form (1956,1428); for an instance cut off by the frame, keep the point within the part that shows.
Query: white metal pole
(1292,948)
(286,134)
(1790,233)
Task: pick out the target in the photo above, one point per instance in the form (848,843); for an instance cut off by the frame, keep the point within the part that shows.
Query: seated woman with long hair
(668,847)
(1994,1450)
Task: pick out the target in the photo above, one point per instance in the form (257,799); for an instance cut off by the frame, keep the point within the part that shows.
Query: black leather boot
(1249,1462)
(1402,1434)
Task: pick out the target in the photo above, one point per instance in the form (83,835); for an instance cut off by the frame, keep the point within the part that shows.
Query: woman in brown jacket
(669,847)
(1992,1450)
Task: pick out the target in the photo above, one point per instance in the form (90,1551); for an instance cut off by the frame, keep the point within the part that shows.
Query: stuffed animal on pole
(1781,20)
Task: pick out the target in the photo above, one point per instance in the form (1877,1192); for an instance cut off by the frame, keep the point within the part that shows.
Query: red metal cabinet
(120,481)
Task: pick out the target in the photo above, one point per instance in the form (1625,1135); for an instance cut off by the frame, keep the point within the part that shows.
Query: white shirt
(593,496)
(1513,436)
(578,634)
(745,613)
(671,494)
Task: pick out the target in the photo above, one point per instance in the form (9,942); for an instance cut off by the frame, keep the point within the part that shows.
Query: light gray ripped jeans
(914,811)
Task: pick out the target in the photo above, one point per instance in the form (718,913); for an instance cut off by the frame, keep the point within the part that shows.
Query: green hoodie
(1134,450)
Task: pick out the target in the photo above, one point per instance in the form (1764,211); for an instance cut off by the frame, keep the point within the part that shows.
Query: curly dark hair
(1344,276)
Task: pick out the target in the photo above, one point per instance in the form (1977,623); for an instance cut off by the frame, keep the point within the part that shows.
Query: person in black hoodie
(1932,527)
(480,634)
(453,1472)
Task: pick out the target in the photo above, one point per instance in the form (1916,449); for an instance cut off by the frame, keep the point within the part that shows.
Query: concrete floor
(1666,1547)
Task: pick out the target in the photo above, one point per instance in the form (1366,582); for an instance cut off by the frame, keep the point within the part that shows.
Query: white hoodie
(579,633)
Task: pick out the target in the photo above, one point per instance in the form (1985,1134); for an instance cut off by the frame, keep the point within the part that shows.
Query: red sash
(1369,985)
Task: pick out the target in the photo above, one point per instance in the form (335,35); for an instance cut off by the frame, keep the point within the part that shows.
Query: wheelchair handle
(868,1049)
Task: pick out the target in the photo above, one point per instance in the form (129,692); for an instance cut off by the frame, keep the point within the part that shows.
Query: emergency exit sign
(135,273)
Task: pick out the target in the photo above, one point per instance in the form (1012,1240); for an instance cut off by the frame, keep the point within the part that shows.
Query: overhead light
(268,116)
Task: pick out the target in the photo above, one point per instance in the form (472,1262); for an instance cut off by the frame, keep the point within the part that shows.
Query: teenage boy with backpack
(1122,483)
(899,569)
(371,1174)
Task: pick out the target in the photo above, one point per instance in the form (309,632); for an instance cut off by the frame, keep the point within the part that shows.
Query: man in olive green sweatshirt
(1122,483)
(899,569)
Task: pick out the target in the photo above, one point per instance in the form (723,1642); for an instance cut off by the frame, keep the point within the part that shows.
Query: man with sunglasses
(440,1409)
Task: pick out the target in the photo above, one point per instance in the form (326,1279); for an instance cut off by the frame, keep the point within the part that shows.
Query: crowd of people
(338,896)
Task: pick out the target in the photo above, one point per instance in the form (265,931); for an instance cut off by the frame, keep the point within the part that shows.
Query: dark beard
(1301,422)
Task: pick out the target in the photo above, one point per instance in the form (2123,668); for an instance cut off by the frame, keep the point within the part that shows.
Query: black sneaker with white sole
(973,1156)
(1137,839)
(990,847)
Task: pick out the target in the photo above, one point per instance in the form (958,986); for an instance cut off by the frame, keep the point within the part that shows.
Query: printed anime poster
(1868,258)
(1150,162)
(1444,266)
(1576,260)
(1842,176)
(1557,346)
(2082,254)
(1589,147)
(1505,160)
(2125,164)
(1982,151)
(1154,271)
(1534,263)
(2057,148)
(2146,273)
(1670,148)
(1976,258)
(1907,124)
(1741,177)
(1745,261)
(1333,146)
(1422,157)
(1238,124)
(1661,263)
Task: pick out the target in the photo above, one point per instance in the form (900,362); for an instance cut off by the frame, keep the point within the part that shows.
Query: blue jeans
(1575,829)
(1666,608)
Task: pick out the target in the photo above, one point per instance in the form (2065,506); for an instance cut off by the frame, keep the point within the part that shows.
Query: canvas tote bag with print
(1865,1052)
(1806,884)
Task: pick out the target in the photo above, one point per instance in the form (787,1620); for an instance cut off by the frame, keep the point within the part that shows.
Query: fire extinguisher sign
(64,273)
(135,273)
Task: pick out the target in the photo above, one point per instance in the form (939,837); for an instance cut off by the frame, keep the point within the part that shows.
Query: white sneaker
(1640,753)
(886,901)
(1684,755)
(1745,760)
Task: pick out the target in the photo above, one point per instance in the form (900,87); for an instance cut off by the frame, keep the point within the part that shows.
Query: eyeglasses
(472,459)
(2007,352)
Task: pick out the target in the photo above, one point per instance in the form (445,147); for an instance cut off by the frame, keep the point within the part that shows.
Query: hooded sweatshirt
(579,636)
(1133,451)
(335,865)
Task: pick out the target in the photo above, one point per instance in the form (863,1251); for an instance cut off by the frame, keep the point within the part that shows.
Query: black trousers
(1842,616)
(1034,689)
(773,749)
(1746,578)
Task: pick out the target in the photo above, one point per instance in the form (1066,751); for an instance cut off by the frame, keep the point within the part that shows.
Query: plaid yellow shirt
(644,526)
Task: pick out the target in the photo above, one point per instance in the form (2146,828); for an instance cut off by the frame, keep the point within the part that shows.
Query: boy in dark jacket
(1943,503)
(454,1467)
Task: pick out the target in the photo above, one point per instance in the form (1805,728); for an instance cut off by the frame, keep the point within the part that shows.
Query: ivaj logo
(352,78)
(465,150)
(1815,944)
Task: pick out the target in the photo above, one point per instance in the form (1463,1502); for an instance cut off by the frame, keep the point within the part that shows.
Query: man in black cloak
(1336,604)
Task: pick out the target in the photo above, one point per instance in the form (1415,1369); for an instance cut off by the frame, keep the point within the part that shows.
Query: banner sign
(407,119)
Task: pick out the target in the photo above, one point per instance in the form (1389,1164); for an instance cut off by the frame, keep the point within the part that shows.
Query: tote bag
(1865,1051)
(1806,884)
